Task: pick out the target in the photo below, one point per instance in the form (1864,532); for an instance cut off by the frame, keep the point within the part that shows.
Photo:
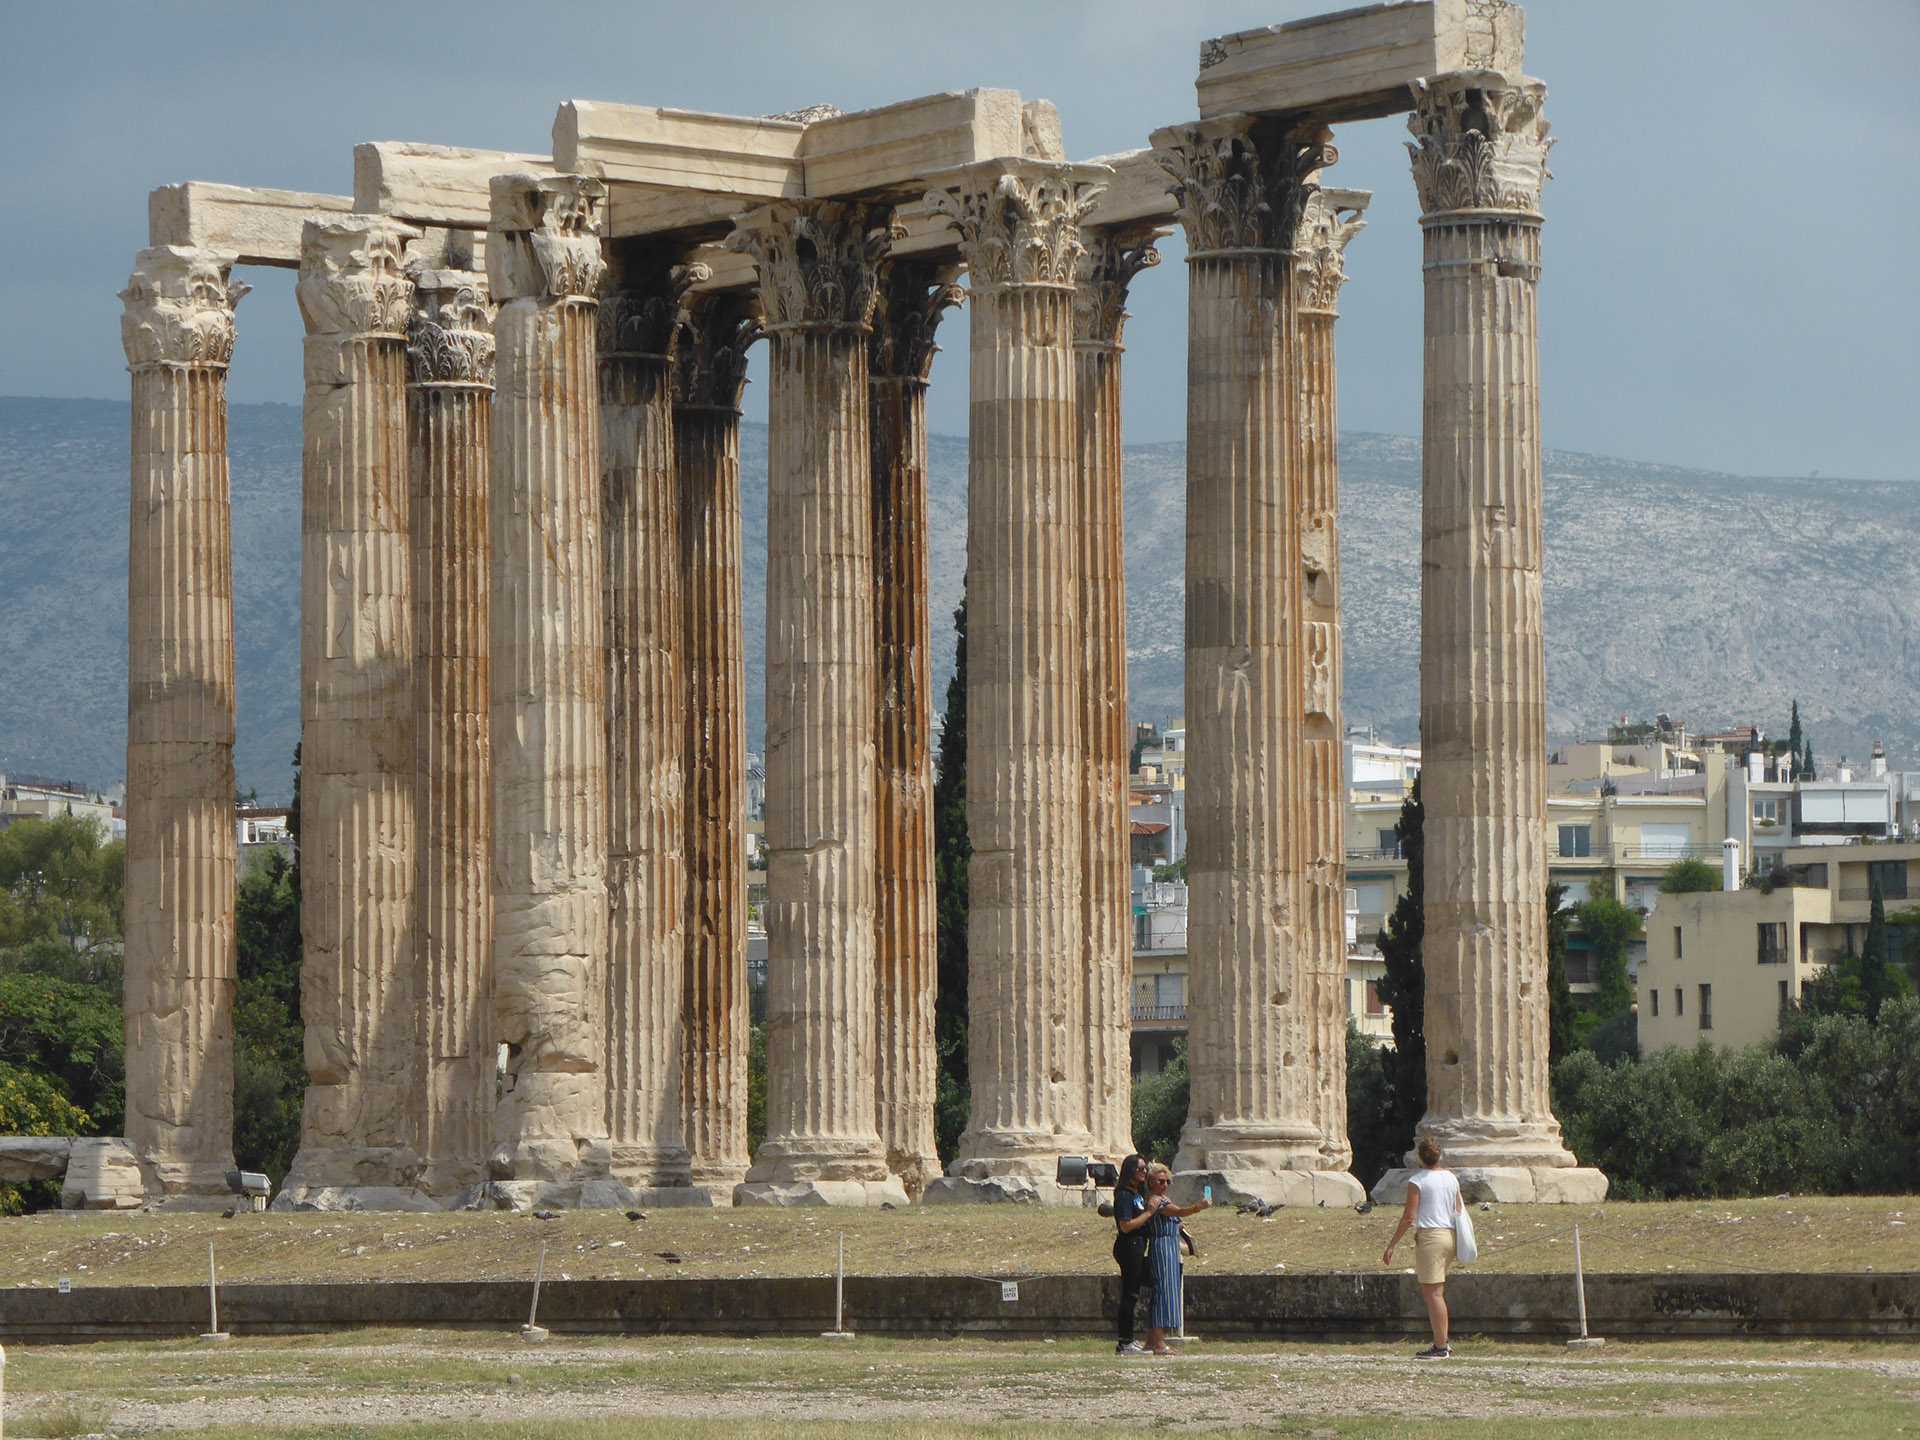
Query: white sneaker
(1132,1347)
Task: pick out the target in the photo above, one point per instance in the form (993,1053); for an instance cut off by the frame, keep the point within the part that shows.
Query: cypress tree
(952,851)
(1404,986)
(1796,737)
(1559,992)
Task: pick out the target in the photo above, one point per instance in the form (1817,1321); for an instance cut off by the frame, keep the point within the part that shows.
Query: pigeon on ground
(1364,1207)
(668,1256)
(635,1215)
(226,1214)
(545,1215)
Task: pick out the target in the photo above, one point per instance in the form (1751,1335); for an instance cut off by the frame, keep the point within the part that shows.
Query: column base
(1001,1190)
(916,1172)
(718,1181)
(1295,1189)
(338,1198)
(380,1172)
(520,1196)
(1508,1184)
(1255,1149)
(850,1194)
(651,1167)
(801,1158)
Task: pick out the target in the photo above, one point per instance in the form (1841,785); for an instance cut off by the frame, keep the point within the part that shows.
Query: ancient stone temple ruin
(522,679)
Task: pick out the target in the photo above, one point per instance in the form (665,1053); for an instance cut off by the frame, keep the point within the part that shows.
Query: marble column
(1479,161)
(1111,260)
(709,372)
(641,308)
(1019,233)
(1332,218)
(818,268)
(180,864)
(548,695)
(1241,185)
(449,424)
(900,355)
(358,981)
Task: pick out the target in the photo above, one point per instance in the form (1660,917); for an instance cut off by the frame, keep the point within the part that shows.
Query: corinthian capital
(1480,142)
(710,358)
(450,339)
(915,294)
(353,279)
(643,301)
(543,238)
(818,260)
(1332,218)
(1107,267)
(1019,221)
(179,308)
(1240,183)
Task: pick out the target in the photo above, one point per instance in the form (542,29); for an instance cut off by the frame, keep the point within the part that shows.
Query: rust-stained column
(1332,219)
(1252,1129)
(449,421)
(710,369)
(1112,259)
(1479,161)
(358,980)
(1019,233)
(817,263)
(900,353)
(179,901)
(639,319)
(548,694)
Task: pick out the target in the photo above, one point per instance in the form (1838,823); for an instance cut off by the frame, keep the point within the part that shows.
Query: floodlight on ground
(251,1186)
(1074,1171)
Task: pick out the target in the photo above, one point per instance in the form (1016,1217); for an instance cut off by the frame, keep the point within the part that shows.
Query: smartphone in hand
(1206,1193)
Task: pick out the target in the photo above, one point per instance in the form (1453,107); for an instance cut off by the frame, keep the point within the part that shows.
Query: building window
(1679,1001)
(1374,1003)
(1676,942)
(1389,840)
(1653,1001)
(1766,809)
(1892,876)
(1576,841)
(1773,942)
(1706,1007)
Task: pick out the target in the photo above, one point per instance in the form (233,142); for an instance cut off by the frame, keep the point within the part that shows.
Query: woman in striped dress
(1163,1256)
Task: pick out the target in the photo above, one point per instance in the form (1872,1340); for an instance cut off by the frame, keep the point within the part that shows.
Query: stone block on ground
(849,1194)
(34,1157)
(347,1198)
(103,1175)
(1569,1185)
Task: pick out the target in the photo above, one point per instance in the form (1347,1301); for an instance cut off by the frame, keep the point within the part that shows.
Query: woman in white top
(1433,1199)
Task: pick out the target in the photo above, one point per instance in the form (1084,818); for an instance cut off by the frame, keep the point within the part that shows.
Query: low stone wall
(1236,1306)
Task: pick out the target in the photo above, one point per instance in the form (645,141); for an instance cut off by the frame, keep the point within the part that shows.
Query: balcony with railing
(1160,1017)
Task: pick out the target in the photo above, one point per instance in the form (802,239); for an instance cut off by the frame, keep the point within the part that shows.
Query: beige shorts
(1432,1255)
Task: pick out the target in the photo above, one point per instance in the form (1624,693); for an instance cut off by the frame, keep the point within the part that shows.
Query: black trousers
(1136,1279)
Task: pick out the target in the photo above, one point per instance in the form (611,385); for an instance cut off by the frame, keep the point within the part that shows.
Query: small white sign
(66,1286)
(1009,1290)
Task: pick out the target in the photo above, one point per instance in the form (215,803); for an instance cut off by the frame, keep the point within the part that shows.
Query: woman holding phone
(1163,1255)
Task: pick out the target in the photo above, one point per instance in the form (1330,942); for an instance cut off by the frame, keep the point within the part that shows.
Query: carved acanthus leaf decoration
(353,279)
(1020,227)
(178,308)
(544,239)
(1240,183)
(1480,143)
(1107,268)
(450,341)
(915,296)
(645,304)
(1320,255)
(818,260)
(710,359)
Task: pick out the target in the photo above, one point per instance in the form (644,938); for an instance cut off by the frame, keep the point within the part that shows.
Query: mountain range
(1715,598)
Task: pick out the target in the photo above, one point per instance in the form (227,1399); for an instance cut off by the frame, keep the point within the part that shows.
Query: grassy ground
(1858,1233)
(414,1385)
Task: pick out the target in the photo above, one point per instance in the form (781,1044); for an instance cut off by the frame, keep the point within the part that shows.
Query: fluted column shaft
(1106,270)
(449,424)
(1240,186)
(548,683)
(906,1062)
(646,742)
(1478,162)
(1026,756)
(1330,221)
(180,862)
(709,370)
(358,983)
(816,262)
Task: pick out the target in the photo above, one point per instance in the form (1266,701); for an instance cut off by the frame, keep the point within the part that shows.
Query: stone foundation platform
(1001,1190)
(1509,1184)
(1291,1188)
(852,1194)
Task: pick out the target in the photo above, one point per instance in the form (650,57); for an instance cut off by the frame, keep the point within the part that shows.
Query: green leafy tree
(1160,1107)
(1403,988)
(268,1044)
(1609,928)
(756,1088)
(1177,870)
(62,879)
(952,854)
(35,1104)
(1689,877)
(69,1032)
(1372,1127)
(1560,1007)
(1860,983)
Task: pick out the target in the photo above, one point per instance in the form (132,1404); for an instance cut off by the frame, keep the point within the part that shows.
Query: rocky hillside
(1713,597)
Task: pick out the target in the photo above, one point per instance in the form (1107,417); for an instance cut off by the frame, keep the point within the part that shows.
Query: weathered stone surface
(1507,1184)
(819,283)
(434,184)
(548,686)
(870,1194)
(103,1174)
(1019,232)
(253,226)
(358,981)
(34,1157)
(353,1199)
(1352,64)
(906,1064)
(1008,1189)
(180,964)
(449,444)
(710,366)
(1242,186)
(1479,158)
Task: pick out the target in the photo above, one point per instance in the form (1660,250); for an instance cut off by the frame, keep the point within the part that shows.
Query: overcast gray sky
(1730,273)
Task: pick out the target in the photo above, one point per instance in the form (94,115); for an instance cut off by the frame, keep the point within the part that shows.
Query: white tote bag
(1465,1249)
